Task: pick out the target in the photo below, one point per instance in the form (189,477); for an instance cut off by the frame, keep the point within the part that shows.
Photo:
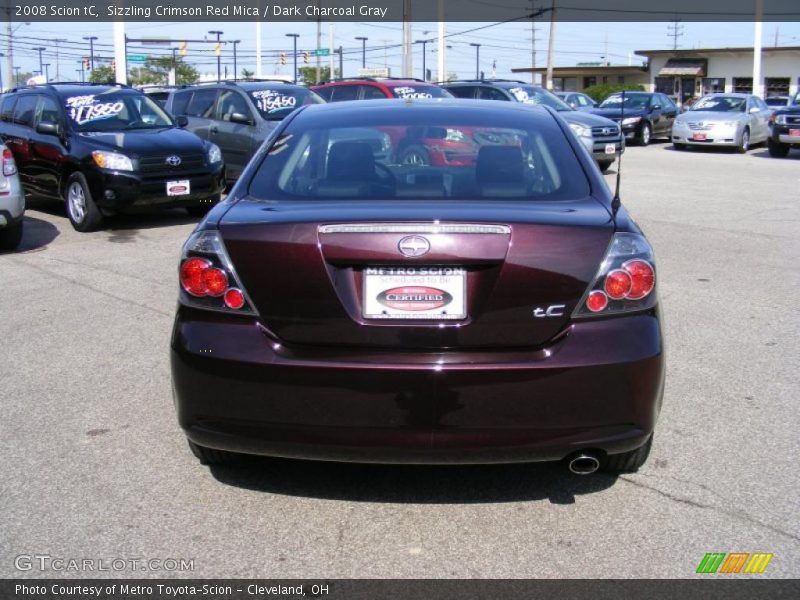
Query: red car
(339,306)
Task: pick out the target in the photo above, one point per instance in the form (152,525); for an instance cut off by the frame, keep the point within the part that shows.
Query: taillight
(625,281)
(9,166)
(207,277)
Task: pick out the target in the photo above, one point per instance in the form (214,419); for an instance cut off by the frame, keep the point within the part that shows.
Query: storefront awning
(684,66)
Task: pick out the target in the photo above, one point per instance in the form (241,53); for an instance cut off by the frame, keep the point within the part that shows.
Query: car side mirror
(181,121)
(240,118)
(48,128)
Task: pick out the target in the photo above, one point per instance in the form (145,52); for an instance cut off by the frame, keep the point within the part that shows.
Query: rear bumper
(599,387)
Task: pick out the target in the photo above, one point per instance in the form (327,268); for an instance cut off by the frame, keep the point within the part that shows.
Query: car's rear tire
(604,165)
(744,142)
(678,146)
(81,208)
(11,236)
(627,462)
(212,456)
(777,150)
(414,154)
(645,134)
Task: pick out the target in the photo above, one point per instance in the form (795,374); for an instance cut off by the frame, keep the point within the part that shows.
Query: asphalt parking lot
(95,466)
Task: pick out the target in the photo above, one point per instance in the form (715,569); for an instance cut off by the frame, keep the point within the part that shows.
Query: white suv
(12,202)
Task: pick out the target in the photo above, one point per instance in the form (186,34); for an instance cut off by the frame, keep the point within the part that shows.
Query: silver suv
(12,202)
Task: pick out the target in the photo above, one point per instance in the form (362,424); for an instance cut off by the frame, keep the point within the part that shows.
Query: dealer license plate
(794,132)
(415,293)
(611,149)
(178,188)
(699,137)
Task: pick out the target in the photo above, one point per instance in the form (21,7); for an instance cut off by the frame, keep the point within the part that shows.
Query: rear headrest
(351,161)
(500,164)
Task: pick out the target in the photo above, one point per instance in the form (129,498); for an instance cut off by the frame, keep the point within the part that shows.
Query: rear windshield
(386,157)
(115,111)
(633,101)
(720,104)
(276,103)
(529,94)
(419,91)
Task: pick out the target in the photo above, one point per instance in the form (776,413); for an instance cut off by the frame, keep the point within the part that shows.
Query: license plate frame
(427,293)
(700,137)
(611,149)
(179,187)
(794,133)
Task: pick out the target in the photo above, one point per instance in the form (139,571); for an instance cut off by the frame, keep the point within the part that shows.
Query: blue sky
(507,45)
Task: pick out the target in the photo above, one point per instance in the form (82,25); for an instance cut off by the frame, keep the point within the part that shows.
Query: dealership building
(684,74)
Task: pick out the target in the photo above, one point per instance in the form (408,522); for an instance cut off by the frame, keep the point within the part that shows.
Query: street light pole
(46,72)
(80,72)
(477,60)
(91,39)
(235,72)
(16,76)
(294,53)
(363,51)
(219,54)
(424,58)
(41,49)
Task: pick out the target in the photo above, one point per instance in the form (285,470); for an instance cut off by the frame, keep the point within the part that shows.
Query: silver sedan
(733,120)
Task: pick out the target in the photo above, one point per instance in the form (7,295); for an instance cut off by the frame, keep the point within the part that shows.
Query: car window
(25,109)
(462,91)
(276,102)
(489,93)
(231,101)
(344,92)
(324,93)
(115,110)
(418,91)
(761,104)
(48,111)
(363,156)
(180,101)
(529,94)
(202,104)
(370,92)
(7,108)
(720,103)
(632,101)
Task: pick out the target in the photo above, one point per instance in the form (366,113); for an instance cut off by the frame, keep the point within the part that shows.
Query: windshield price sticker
(522,96)
(271,100)
(410,92)
(83,109)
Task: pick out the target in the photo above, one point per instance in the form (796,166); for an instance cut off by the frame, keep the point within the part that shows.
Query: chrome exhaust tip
(583,464)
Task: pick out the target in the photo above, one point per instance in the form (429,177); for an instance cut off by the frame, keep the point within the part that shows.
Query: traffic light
(184,48)
(283,58)
(217,48)
(306,56)
(86,63)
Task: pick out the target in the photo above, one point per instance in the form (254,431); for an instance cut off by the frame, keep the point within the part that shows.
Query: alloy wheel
(76,202)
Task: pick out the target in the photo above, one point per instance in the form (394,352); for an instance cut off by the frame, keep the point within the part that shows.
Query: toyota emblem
(413,246)
(606,131)
(173,161)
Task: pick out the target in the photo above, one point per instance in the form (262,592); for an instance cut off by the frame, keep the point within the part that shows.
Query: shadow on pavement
(793,155)
(473,484)
(37,234)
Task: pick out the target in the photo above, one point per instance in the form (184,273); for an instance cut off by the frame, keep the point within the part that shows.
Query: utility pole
(120,53)
(46,72)
(172,78)
(91,39)
(424,58)
(9,44)
(331,53)
(551,47)
(408,34)
(534,29)
(258,41)
(1,74)
(294,53)
(441,73)
(675,30)
(758,88)
(319,44)
(80,72)
(41,49)
(58,63)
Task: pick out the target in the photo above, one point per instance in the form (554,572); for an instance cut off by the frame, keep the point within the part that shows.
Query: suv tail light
(207,277)
(9,166)
(625,281)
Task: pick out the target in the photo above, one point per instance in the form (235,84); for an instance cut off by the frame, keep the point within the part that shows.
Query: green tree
(247,74)
(102,74)
(22,77)
(308,75)
(156,70)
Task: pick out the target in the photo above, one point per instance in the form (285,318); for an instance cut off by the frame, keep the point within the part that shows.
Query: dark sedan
(339,305)
(643,116)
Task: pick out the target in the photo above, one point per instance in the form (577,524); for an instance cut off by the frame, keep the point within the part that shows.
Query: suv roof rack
(51,84)
(235,81)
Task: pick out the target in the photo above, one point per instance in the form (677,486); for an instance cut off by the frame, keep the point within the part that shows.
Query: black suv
(238,115)
(601,137)
(784,130)
(106,148)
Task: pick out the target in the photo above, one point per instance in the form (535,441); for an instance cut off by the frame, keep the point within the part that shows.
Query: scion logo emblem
(413,246)
(173,161)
